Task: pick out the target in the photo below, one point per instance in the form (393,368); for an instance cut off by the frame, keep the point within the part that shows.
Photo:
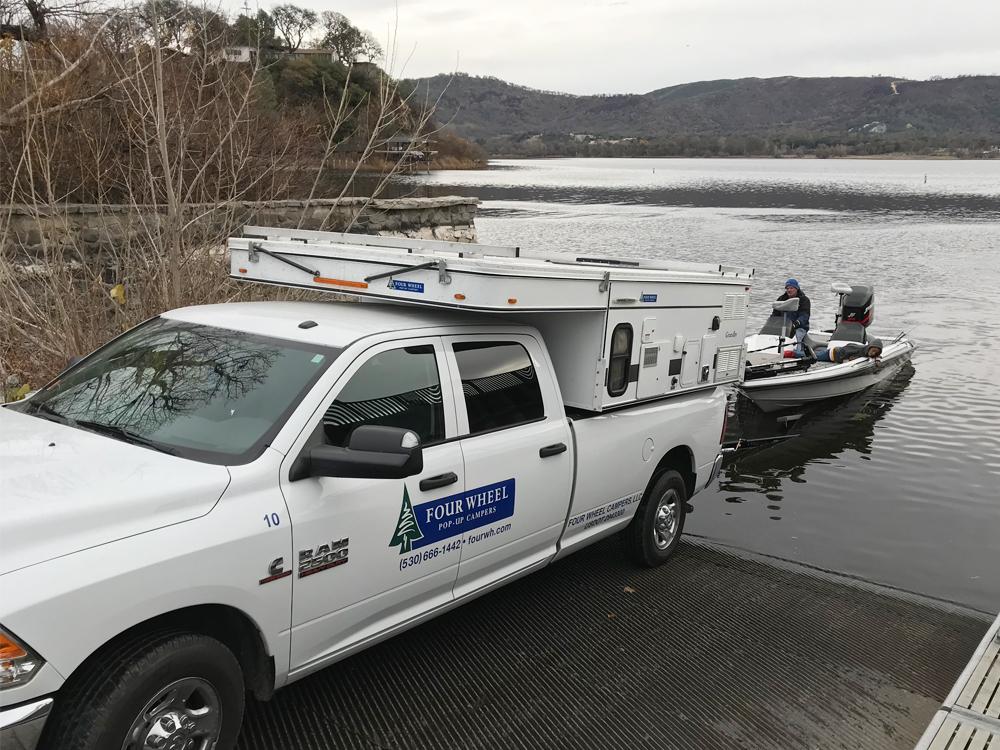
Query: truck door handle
(552,450)
(441,480)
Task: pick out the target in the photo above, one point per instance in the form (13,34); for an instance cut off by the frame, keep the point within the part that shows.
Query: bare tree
(30,20)
(138,110)
(174,137)
(370,47)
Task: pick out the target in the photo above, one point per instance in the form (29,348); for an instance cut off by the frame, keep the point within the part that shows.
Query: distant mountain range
(488,108)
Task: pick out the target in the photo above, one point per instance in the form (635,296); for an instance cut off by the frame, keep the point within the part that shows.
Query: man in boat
(844,352)
(800,318)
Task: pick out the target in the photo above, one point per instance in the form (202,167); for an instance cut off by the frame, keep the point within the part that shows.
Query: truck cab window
(500,385)
(621,356)
(396,388)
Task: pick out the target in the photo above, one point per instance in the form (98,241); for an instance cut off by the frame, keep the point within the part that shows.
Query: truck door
(518,456)
(365,560)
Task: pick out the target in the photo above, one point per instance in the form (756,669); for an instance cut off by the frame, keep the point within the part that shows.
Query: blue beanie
(792,282)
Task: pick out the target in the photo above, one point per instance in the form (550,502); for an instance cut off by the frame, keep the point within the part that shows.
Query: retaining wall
(33,230)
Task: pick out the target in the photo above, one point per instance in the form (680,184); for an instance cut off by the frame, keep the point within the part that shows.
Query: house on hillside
(403,147)
(239,54)
(248,55)
(310,54)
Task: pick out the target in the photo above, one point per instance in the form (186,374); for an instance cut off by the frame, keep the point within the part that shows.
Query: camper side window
(621,357)
(499,384)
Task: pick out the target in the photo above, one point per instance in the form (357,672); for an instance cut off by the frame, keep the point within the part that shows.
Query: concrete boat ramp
(716,649)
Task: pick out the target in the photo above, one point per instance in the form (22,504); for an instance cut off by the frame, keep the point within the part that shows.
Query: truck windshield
(209,394)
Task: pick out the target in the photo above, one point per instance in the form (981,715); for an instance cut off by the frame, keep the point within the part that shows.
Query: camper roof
(456,274)
(589,265)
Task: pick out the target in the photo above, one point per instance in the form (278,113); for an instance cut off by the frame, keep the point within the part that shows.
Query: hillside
(940,112)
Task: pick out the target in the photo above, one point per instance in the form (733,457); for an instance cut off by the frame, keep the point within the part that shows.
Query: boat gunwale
(836,371)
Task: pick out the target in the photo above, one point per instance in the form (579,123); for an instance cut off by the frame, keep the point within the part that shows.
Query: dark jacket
(799,318)
(844,352)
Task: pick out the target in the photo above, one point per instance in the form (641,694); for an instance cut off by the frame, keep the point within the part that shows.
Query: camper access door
(676,336)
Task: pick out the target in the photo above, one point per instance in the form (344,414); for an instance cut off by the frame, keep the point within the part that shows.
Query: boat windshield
(205,393)
(776,325)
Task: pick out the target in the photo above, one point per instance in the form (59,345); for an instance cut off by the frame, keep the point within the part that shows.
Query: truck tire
(656,528)
(156,691)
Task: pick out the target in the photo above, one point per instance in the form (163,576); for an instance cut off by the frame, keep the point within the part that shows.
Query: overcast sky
(634,46)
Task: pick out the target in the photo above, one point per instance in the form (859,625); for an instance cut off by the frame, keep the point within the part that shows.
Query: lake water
(900,485)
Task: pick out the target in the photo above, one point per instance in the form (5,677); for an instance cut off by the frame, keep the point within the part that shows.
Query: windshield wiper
(124,433)
(47,412)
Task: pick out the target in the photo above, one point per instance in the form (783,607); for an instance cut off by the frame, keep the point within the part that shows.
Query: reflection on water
(780,446)
(898,484)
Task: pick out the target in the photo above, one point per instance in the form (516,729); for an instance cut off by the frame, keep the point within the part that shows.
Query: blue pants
(800,334)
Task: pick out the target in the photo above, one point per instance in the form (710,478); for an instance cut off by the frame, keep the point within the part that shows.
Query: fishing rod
(903,333)
(772,346)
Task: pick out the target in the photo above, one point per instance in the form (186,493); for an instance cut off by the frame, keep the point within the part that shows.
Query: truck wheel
(169,691)
(656,528)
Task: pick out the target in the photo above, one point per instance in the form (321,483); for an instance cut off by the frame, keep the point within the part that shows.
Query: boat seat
(854,333)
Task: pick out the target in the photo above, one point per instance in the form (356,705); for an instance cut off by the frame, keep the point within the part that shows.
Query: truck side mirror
(374,452)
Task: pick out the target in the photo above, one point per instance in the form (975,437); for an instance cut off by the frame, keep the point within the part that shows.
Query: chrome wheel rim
(666,519)
(185,715)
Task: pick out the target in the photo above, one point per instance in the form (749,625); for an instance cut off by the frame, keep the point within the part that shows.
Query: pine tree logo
(407,529)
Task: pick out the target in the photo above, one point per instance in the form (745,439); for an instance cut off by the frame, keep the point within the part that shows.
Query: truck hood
(64,489)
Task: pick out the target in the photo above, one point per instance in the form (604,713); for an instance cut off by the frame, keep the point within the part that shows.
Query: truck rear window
(205,393)
(500,385)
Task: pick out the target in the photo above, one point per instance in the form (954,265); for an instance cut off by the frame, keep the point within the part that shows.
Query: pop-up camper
(618,330)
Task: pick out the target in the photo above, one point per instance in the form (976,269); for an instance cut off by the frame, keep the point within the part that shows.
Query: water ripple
(898,484)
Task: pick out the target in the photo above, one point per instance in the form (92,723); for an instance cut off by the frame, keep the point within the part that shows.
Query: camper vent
(735,306)
(727,363)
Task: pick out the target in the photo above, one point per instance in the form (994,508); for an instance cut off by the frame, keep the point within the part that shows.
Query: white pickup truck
(228,498)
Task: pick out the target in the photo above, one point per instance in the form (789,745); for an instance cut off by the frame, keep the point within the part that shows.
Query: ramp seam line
(987,723)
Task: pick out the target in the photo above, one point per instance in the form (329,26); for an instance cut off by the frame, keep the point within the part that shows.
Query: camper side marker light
(460,297)
(340,282)
(512,300)
(242,270)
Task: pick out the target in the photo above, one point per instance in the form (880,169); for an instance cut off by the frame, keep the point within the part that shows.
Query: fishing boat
(775,380)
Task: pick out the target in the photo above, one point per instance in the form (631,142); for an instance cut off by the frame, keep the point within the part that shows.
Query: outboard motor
(859,305)
(857,311)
